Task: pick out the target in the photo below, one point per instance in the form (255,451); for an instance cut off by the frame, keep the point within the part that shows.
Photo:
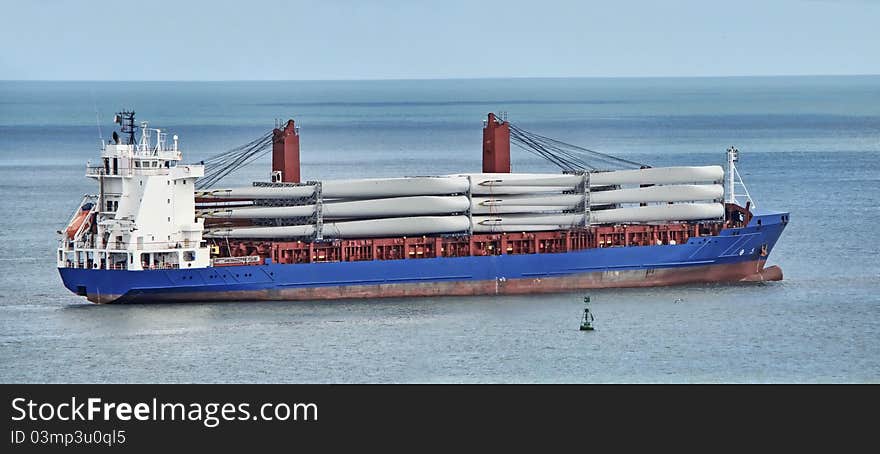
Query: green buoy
(587,323)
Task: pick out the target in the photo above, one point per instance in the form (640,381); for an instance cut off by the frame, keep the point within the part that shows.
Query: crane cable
(567,156)
(223,164)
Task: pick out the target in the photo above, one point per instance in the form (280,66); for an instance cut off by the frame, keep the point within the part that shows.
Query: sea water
(809,145)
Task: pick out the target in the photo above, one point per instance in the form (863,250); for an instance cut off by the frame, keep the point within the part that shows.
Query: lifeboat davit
(79,220)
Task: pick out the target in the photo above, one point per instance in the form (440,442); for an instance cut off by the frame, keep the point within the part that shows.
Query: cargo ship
(158,230)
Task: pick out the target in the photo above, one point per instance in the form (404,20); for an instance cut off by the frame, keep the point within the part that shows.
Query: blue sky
(347,39)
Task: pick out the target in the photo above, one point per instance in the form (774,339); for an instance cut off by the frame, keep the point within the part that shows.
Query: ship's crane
(566,156)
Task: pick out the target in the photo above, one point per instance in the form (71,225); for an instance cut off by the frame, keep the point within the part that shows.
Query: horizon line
(740,76)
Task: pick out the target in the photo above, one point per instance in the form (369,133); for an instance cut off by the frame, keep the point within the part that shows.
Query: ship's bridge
(151,155)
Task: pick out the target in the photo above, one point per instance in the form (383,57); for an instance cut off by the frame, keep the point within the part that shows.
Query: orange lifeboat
(78,220)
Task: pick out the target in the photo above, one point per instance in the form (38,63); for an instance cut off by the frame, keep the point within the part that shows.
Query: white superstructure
(143,215)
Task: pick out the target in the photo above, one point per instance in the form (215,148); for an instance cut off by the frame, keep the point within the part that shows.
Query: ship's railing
(90,265)
(161,154)
(149,246)
(154,142)
(97,265)
(85,245)
(137,151)
(94,171)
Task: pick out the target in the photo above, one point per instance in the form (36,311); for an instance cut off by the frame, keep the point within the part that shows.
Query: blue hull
(733,255)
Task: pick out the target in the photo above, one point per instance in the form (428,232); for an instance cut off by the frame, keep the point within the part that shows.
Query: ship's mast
(732,177)
(732,158)
(126,120)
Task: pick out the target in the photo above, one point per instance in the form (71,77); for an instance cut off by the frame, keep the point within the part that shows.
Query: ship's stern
(98,286)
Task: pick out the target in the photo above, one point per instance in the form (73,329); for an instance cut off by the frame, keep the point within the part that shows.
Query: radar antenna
(126,120)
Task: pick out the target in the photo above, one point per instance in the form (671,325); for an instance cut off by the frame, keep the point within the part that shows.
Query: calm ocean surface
(809,145)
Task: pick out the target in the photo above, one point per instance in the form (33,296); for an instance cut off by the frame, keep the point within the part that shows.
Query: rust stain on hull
(753,271)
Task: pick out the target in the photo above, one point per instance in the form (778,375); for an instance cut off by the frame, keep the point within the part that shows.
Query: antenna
(98,119)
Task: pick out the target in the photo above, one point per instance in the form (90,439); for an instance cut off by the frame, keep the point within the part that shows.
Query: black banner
(58,418)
